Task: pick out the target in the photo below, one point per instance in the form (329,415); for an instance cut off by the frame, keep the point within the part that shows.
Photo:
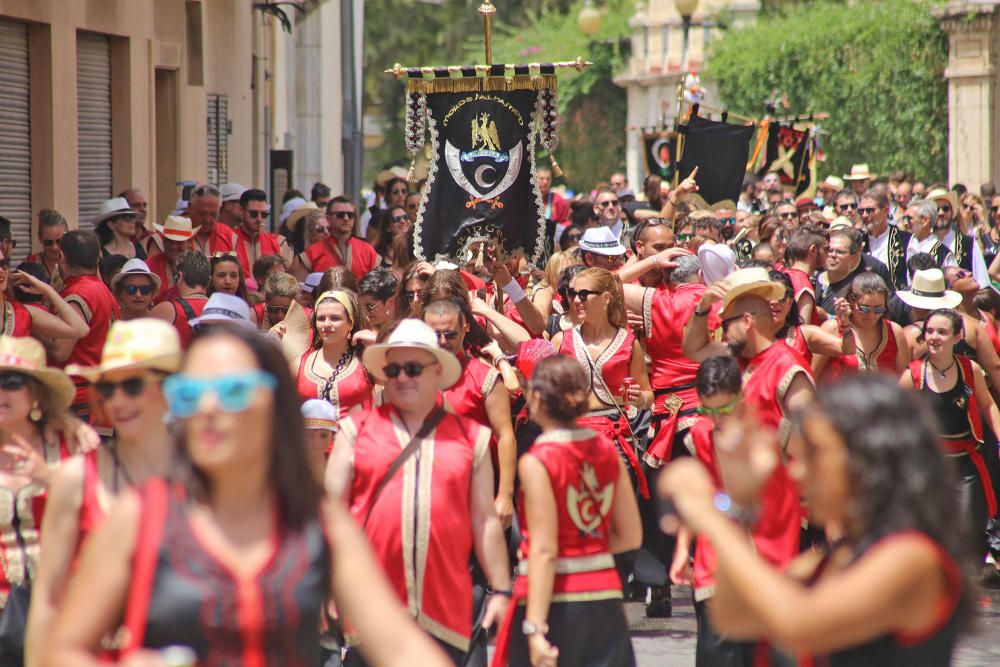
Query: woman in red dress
(808,339)
(17,320)
(332,369)
(128,394)
(879,343)
(608,351)
(576,510)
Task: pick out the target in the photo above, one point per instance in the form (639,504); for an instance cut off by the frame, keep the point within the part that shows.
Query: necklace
(331,382)
(939,371)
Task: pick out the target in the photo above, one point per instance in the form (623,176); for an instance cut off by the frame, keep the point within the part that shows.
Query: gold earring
(36,413)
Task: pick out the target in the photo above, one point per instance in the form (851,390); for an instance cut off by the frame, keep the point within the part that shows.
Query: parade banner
(481,185)
(790,154)
(659,149)
(720,152)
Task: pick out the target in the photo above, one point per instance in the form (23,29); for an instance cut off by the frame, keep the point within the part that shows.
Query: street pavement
(669,642)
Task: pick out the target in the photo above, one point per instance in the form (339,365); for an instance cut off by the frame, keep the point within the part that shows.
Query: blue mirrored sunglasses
(234,391)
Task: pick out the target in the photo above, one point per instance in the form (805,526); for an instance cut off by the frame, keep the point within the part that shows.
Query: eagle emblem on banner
(484,172)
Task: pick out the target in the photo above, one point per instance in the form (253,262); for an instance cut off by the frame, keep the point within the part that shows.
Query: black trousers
(457,657)
(587,634)
(714,650)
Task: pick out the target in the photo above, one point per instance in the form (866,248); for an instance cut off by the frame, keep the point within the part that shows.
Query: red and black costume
(186,310)
(249,250)
(766,379)
(182,592)
(587,618)
(345,389)
(16,319)
(607,373)
(958,416)
(931,648)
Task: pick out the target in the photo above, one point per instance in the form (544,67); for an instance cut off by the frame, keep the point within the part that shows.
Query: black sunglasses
(132,387)
(400,218)
(867,211)
(48,243)
(584,294)
(343,215)
(12,381)
(574,237)
(610,202)
(447,335)
(257,214)
(276,309)
(846,207)
(412,369)
(144,290)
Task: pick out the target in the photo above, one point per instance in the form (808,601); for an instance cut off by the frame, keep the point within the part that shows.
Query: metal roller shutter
(219,129)
(15,134)
(93,93)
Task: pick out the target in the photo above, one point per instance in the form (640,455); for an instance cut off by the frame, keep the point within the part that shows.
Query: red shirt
(159,265)
(323,255)
(250,250)
(883,359)
(467,397)
(100,309)
(16,319)
(775,535)
(220,239)
(802,284)
(556,208)
(766,378)
(352,386)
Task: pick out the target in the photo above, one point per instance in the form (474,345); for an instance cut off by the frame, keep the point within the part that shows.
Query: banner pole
(679,148)
(488,10)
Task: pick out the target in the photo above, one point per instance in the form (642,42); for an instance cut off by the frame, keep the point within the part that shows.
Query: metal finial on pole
(488,10)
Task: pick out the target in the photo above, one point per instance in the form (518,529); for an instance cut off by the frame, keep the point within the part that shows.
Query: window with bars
(219,129)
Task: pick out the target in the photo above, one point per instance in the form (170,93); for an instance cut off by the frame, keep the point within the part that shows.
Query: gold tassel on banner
(556,169)
(486,84)
(409,173)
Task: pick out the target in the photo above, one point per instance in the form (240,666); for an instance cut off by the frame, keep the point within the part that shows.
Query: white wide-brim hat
(136,267)
(225,308)
(416,335)
(928,292)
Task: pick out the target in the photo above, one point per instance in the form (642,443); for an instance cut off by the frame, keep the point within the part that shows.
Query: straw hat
(136,267)
(413,334)
(176,228)
(928,291)
(832,183)
(859,172)
(225,308)
(26,355)
(136,344)
(940,194)
(300,212)
(841,222)
(749,282)
(320,415)
(724,205)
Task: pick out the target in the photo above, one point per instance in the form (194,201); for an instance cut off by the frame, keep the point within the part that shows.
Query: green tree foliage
(877,67)
(592,107)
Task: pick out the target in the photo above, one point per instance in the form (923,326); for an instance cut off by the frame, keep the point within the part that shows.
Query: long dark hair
(898,476)
(794,318)
(231,257)
(291,476)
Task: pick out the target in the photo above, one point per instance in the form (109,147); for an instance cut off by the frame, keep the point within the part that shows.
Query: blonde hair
(281,284)
(605,281)
(556,265)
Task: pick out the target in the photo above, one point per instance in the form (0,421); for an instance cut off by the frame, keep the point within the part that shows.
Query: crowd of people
(225,445)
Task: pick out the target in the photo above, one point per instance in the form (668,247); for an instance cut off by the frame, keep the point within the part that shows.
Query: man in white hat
(427,513)
(829,189)
(231,213)
(203,209)
(968,254)
(253,241)
(600,247)
(776,378)
(174,237)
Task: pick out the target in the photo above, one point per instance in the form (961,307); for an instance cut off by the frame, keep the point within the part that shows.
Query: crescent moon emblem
(478,176)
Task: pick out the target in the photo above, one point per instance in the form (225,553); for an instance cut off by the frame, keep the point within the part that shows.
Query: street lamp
(686,9)
(589,19)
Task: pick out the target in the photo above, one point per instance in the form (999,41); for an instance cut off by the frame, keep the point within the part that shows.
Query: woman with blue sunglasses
(127,394)
(879,343)
(234,555)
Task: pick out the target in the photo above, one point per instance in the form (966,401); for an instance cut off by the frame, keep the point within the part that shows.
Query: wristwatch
(529,628)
